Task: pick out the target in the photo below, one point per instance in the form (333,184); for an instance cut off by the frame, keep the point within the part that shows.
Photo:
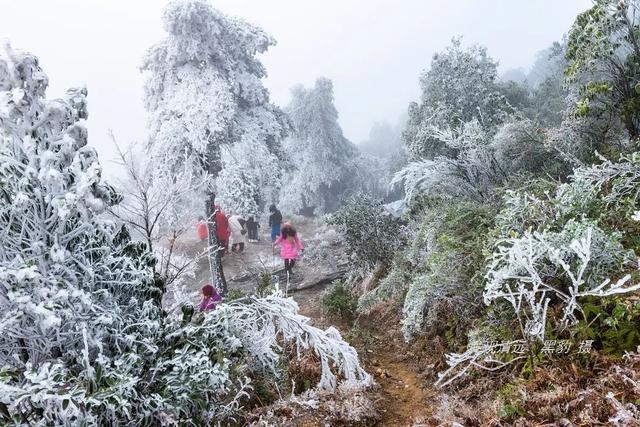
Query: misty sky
(373,50)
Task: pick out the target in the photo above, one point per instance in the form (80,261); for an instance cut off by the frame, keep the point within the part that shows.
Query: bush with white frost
(372,235)
(555,252)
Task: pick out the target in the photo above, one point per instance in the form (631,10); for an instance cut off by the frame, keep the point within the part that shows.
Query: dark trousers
(288,265)
(253,233)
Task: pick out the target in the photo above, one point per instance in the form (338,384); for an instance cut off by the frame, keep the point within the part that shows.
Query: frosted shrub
(530,271)
(371,234)
(611,182)
(520,147)
(259,324)
(555,251)
(76,295)
(468,175)
(445,253)
(522,211)
(390,289)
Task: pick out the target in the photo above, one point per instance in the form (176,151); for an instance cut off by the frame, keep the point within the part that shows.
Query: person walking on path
(202,229)
(252,229)
(209,298)
(275,220)
(238,233)
(222,229)
(290,247)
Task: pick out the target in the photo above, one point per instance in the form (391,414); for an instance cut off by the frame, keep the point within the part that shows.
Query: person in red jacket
(202,229)
(222,229)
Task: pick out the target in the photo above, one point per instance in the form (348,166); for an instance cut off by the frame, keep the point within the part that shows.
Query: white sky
(374,50)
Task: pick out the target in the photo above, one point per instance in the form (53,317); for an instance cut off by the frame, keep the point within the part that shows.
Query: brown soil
(403,401)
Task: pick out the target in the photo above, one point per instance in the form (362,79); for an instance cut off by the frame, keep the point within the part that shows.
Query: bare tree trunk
(213,166)
(215,250)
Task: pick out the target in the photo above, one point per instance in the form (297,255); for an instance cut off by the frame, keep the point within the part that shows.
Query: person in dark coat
(275,221)
(252,228)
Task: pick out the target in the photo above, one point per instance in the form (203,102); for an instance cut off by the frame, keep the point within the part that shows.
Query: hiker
(222,229)
(290,247)
(252,229)
(202,229)
(275,219)
(238,232)
(210,297)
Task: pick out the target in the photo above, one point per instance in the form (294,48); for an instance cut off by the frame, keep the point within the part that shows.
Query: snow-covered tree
(603,50)
(204,91)
(240,194)
(469,175)
(318,150)
(460,86)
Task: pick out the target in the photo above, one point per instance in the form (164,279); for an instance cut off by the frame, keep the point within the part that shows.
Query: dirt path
(403,402)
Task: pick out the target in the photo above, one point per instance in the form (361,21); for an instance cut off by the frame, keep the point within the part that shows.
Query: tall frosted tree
(319,151)
(461,86)
(205,96)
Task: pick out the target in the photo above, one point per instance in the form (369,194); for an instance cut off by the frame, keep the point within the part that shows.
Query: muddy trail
(400,398)
(403,400)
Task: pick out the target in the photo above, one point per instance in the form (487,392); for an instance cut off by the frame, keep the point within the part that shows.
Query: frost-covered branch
(260,323)
(526,272)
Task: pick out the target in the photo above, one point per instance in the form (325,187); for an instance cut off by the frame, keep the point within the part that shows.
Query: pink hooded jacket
(288,249)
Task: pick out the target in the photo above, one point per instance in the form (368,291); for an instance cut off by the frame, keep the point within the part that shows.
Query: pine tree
(318,150)
(204,92)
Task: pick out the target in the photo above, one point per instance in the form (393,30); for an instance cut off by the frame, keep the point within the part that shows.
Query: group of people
(235,229)
(230,229)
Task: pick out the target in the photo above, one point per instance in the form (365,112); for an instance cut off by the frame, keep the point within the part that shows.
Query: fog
(373,50)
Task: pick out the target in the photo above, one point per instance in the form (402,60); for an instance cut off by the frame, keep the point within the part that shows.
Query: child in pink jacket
(290,246)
